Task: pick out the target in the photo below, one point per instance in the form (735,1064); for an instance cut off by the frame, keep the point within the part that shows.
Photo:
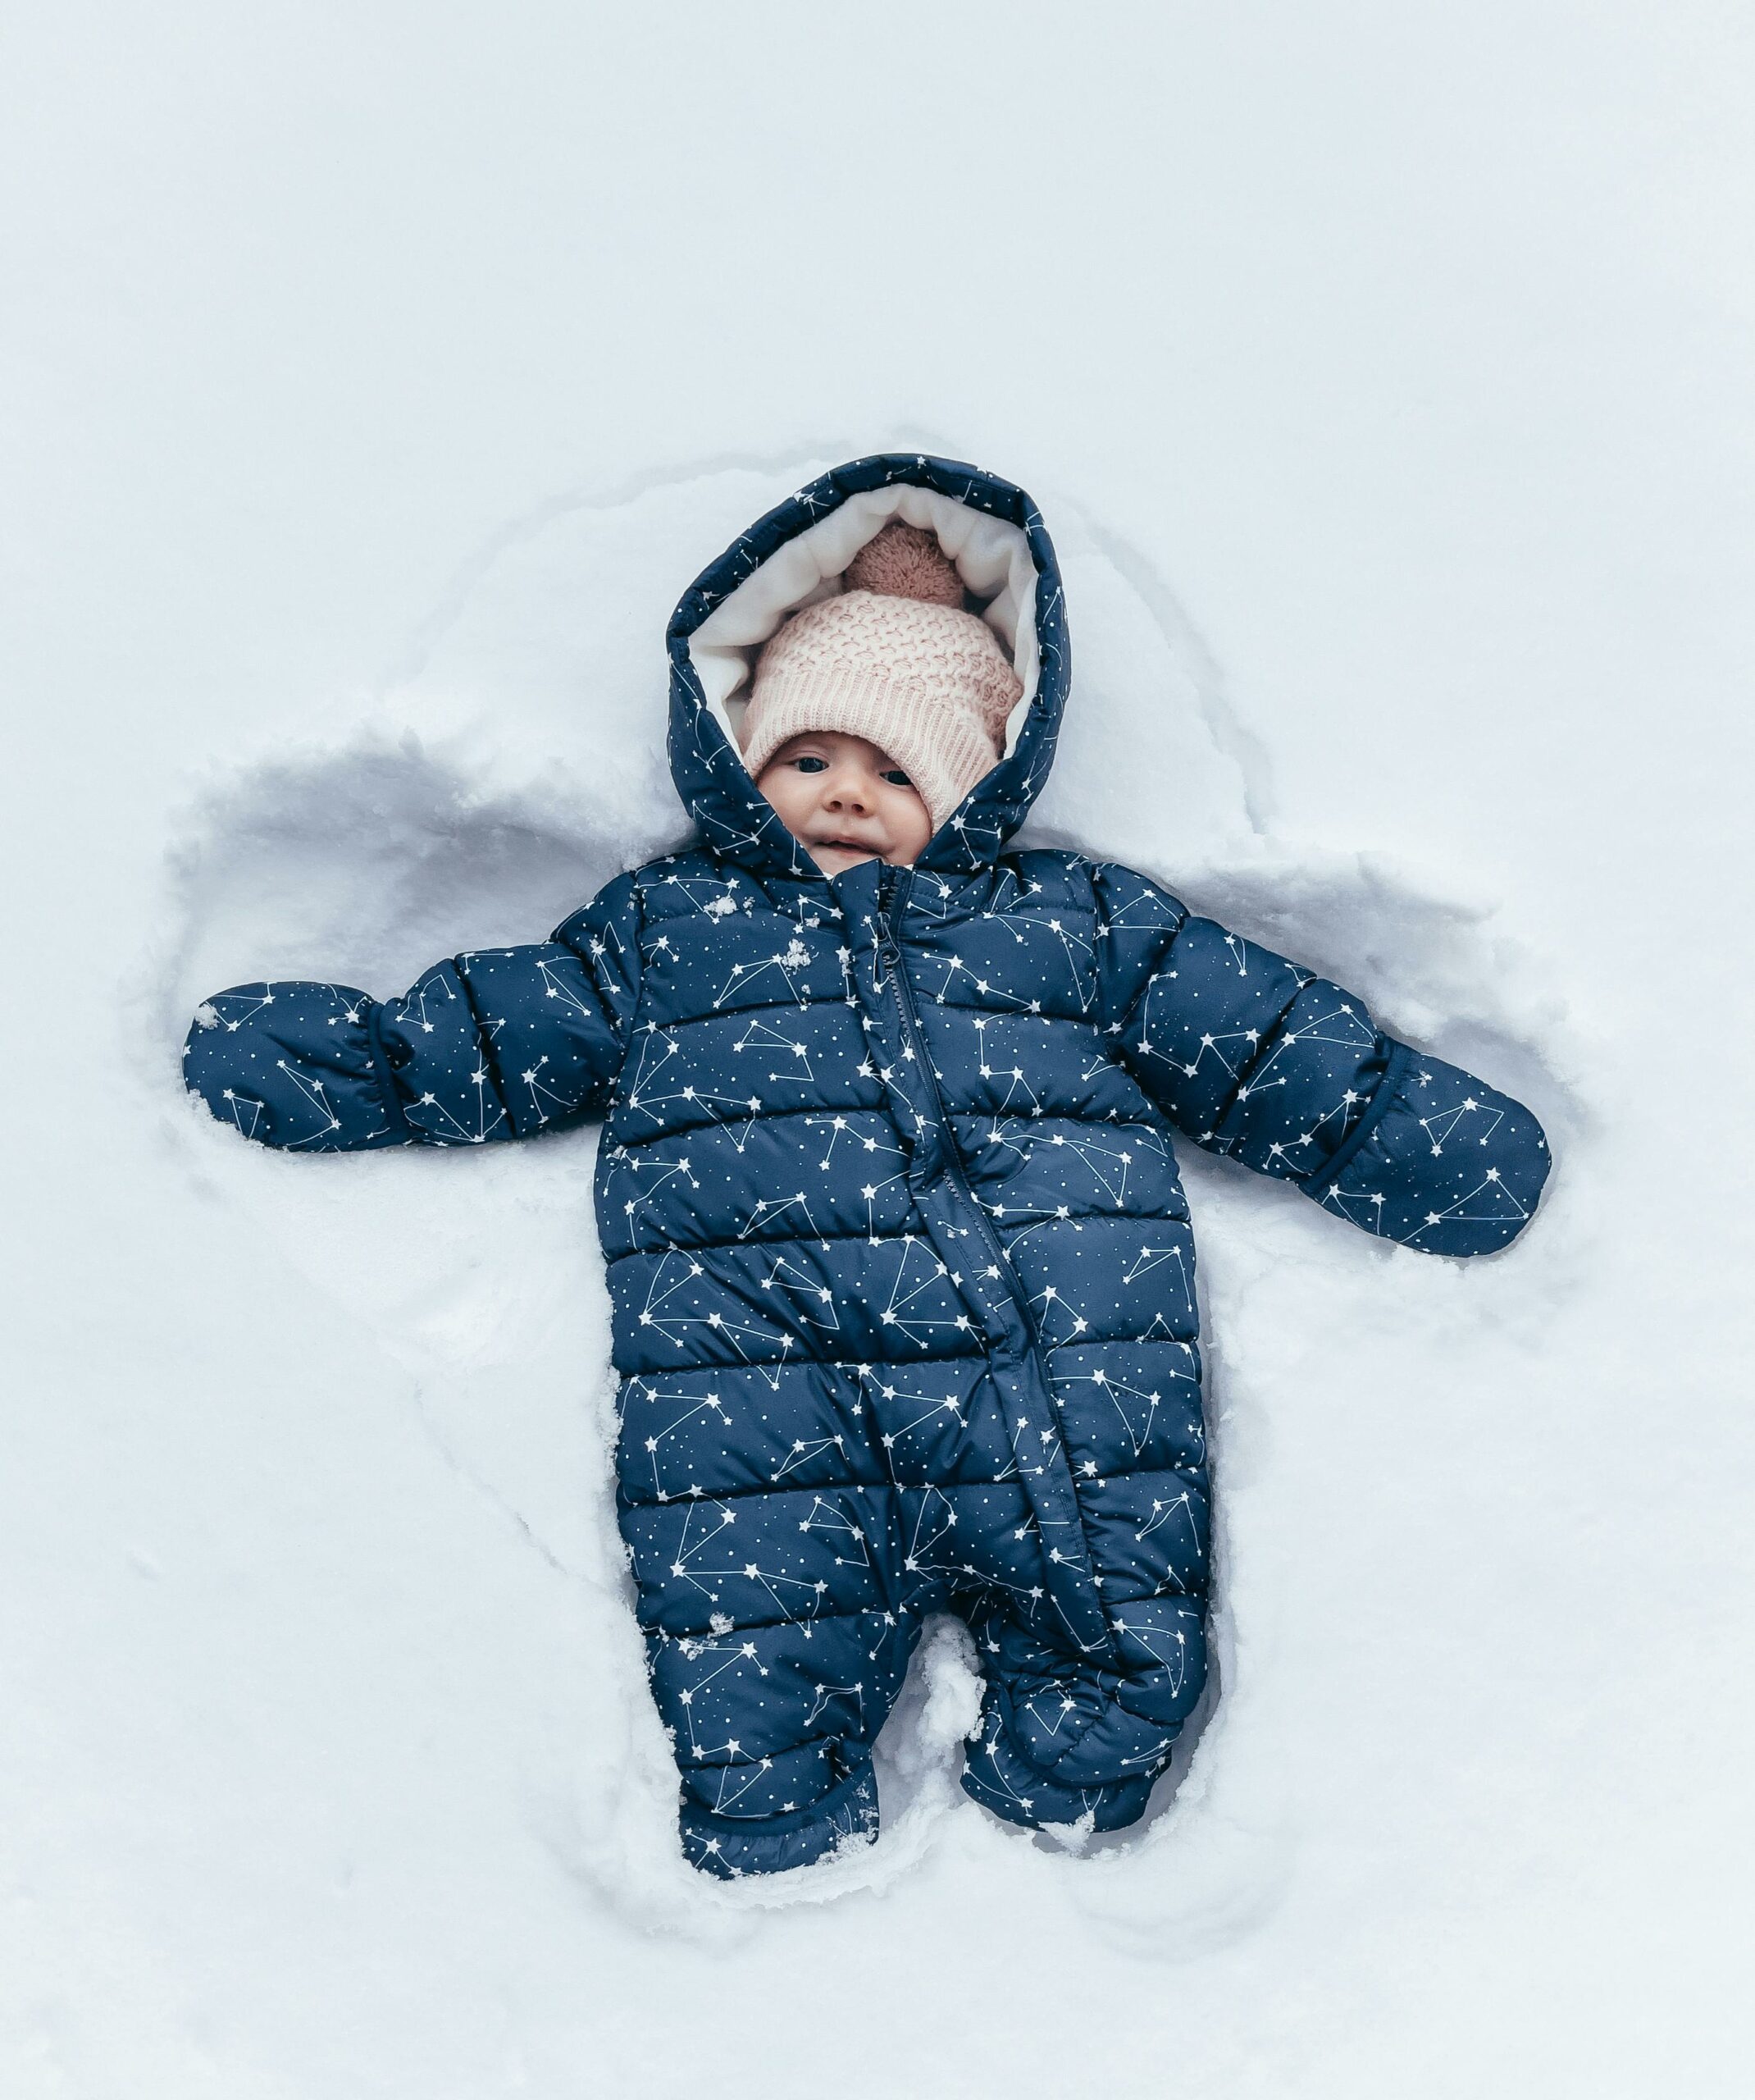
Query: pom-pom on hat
(896,659)
(904,562)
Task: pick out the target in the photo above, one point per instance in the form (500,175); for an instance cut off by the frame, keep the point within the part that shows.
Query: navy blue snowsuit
(901,1271)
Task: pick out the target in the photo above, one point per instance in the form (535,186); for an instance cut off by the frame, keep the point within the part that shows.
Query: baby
(901,1266)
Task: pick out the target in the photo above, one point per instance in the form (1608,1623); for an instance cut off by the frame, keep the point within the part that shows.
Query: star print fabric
(900,1268)
(500,1043)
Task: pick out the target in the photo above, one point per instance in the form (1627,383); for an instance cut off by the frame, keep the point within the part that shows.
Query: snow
(375,380)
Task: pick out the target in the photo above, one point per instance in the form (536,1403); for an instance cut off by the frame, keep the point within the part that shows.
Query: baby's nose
(849,794)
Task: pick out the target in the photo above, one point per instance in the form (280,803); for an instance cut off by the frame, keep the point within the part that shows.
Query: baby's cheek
(780,785)
(911,827)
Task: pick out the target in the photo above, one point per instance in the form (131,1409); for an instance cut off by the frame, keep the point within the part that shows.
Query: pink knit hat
(894,660)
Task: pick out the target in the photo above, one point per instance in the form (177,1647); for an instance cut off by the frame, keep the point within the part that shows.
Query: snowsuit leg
(778,1635)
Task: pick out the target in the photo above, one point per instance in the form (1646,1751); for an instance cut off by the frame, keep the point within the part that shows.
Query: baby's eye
(896,777)
(810,764)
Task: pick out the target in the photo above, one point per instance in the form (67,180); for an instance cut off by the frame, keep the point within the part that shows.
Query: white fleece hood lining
(991,556)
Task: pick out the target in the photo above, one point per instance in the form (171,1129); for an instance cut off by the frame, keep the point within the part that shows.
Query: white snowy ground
(374,379)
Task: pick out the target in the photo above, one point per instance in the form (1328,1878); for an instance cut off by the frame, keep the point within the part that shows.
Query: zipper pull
(889,955)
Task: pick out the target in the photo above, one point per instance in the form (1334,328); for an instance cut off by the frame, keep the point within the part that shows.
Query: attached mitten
(1440,1160)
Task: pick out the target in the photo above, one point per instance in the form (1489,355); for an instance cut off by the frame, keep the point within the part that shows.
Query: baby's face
(845,802)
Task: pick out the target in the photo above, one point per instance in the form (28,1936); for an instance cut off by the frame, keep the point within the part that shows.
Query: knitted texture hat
(896,659)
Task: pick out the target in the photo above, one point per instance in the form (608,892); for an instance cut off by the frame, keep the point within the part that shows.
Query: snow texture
(1398,370)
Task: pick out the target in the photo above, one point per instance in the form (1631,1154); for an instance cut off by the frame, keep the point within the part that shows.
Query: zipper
(892,887)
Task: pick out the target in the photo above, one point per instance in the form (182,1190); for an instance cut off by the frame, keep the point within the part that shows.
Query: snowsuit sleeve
(501,1043)
(1252,1056)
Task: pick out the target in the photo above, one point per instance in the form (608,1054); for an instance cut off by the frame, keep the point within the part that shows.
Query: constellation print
(793,1059)
(793,958)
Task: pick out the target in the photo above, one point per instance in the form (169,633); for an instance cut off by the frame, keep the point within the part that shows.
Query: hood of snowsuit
(737,821)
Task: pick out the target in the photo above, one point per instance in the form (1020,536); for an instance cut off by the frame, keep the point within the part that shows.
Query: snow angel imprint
(902,1278)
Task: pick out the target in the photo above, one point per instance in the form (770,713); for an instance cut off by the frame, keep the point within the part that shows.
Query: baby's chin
(836,860)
